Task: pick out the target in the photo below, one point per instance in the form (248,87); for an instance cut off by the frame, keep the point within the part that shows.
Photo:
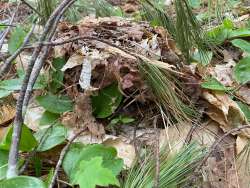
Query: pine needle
(167,93)
(175,169)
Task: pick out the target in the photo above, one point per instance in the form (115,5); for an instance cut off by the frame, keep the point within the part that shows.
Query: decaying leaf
(225,111)
(7,114)
(82,116)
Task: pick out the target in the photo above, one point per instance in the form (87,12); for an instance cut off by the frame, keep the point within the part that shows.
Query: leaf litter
(95,64)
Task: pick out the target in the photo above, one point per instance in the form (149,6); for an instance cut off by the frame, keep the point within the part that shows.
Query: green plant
(184,27)
(165,88)
(175,168)
(45,8)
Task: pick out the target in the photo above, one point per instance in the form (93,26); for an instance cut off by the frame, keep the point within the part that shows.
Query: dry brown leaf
(244,94)
(7,114)
(124,150)
(225,111)
(82,116)
(241,142)
(75,60)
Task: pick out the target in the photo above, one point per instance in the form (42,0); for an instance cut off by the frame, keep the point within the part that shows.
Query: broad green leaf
(12,84)
(239,33)
(242,44)
(242,70)
(91,173)
(54,136)
(27,142)
(106,102)
(48,118)
(218,35)
(57,74)
(88,152)
(55,104)
(203,57)
(4,93)
(16,39)
(3,163)
(16,84)
(22,182)
(213,84)
(245,109)
(72,157)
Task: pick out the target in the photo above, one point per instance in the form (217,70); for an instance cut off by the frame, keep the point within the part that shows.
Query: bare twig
(213,147)
(17,127)
(62,155)
(157,155)
(8,28)
(39,63)
(5,67)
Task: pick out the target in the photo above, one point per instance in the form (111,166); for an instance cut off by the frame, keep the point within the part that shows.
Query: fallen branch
(132,54)
(62,155)
(17,126)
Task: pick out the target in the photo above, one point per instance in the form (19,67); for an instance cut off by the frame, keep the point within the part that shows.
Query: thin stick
(39,63)
(62,155)
(8,28)
(157,155)
(213,147)
(17,127)
(5,67)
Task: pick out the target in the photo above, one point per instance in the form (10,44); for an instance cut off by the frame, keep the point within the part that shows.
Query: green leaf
(12,84)
(115,121)
(22,182)
(245,109)
(91,173)
(213,84)
(78,153)
(239,33)
(218,35)
(27,141)
(242,70)
(107,101)
(16,84)
(55,135)
(203,57)
(3,163)
(16,39)
(57,74)
(228,24)
(48,118)
(55,104)
(242,44)
(4,93)
(126,120)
